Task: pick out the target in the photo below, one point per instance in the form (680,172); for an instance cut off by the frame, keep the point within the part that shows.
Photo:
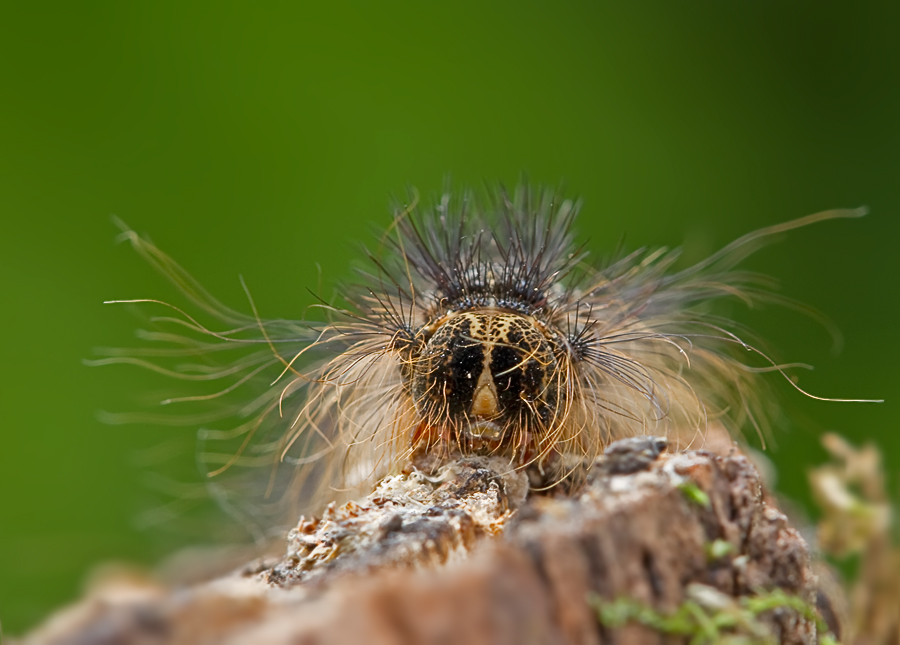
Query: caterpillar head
(488,376)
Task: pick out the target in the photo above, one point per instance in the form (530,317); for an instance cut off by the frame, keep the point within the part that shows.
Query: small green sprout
(718,549)
(694,494)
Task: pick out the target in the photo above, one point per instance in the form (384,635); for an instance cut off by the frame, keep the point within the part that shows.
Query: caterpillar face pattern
(479,327)
(489,374)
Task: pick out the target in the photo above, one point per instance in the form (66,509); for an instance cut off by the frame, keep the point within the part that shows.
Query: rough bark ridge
(462,557)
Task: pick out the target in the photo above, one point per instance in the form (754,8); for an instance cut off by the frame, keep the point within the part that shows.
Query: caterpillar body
(480,327)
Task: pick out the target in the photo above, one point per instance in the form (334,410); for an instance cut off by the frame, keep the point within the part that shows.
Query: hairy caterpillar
(480,327)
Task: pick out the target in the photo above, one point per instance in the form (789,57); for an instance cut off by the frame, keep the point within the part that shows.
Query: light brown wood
(463,558)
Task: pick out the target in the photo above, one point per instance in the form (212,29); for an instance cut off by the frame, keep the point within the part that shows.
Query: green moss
(709,617)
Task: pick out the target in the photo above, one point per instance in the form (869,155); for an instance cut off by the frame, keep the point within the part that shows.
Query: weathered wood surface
(464,558)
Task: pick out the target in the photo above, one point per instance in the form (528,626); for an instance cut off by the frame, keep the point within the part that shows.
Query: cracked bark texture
(463,557)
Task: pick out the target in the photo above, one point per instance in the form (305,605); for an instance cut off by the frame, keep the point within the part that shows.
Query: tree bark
(468,557)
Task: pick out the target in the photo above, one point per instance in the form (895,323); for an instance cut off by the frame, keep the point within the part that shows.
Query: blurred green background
(260,139)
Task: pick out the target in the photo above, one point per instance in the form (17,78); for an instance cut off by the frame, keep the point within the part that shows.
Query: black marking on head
(448,369)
